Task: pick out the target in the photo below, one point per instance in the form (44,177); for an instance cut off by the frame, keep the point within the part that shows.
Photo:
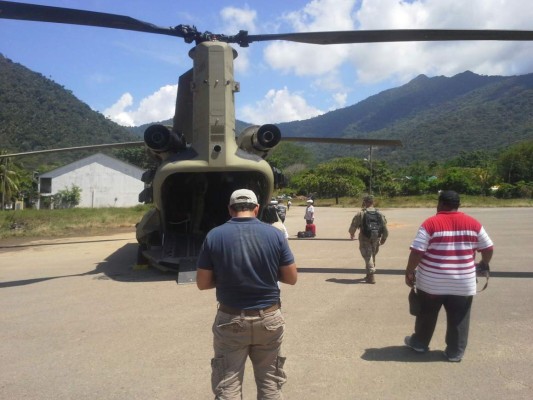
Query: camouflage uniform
(369,248)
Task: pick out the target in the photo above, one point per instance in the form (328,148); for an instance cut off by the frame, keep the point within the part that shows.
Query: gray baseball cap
(243,196)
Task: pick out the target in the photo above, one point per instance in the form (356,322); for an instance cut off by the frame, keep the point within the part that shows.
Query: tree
(286,154)
(473,159)
(462,180)
(415,178)
(8,180)
(383,181)
(516,163)
(27,185)
(67,198)
(136,156)
(336,178)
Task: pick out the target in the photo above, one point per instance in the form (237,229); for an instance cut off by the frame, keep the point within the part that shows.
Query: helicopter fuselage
(193,181)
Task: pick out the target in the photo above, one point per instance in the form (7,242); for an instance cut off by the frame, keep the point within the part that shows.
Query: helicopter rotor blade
(392,35)
(65,149)
(34,12)
(357,142)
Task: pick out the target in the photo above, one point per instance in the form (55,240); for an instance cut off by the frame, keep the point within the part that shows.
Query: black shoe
(452,358)
(418,349)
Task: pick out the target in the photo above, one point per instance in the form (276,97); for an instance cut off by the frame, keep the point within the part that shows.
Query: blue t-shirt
(245,255)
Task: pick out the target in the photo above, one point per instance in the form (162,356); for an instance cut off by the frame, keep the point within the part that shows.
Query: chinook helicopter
(201,160)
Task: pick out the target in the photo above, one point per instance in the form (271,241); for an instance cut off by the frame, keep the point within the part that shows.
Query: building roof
(100,158)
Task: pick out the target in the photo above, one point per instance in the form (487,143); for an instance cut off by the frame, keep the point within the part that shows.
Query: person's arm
(356,221)
(486,255)
(483,265)
(205,279)
(385,234)
(288,274)
(412,263)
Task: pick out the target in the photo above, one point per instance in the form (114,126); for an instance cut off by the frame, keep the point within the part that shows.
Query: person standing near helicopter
(309,215)
(244,259)
(373,233)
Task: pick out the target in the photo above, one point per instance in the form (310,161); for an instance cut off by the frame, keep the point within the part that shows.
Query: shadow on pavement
(311,239)
(347,281)
(399,272)
(23,245)
(119,266)
(402,354)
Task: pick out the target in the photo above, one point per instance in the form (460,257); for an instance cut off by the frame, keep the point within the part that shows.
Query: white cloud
(117,111)
(400,62)
(337,70)
(318,15)
(242,63)
(330,82)
(340,99)
(236,19)
(159,106)
(403,61)
(323,15)
(278,106)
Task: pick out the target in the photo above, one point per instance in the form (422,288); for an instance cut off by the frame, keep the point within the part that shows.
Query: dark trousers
(457,321)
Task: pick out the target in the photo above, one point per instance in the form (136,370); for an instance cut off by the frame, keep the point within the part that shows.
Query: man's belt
(250,312)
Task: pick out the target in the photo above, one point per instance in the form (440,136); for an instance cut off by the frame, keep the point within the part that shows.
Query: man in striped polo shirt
(442,266)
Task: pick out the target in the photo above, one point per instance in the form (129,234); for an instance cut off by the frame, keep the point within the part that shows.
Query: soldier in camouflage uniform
(368,247)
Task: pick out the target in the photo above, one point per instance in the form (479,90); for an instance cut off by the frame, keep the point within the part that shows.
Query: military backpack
(372,224)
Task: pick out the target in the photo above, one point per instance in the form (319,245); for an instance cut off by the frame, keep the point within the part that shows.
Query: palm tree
(8,180)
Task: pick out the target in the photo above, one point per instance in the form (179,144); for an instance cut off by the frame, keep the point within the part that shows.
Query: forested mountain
(37,113)
(435,118)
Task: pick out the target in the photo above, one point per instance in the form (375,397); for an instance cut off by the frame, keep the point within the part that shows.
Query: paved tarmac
(77,322)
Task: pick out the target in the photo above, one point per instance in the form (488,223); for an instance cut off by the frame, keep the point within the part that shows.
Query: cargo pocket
(225,322)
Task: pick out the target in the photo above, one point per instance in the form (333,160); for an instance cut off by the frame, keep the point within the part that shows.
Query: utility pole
(4,173)
(370,167)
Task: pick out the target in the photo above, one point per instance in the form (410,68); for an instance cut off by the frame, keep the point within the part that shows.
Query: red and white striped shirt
(448,242)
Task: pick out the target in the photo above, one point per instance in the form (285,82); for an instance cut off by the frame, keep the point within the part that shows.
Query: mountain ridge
(434,117)
(461,108)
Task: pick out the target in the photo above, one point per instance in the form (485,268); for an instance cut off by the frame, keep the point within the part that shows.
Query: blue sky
(132,77)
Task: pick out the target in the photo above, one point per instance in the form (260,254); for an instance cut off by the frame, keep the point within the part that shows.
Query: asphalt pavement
(78,322)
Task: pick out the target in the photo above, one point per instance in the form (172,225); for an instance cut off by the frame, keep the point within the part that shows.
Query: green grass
(93,221)
(74,221)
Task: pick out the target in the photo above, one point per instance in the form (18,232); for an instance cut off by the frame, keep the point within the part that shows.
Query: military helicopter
(201,160)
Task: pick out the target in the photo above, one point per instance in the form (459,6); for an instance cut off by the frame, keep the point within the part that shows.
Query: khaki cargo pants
(236,337)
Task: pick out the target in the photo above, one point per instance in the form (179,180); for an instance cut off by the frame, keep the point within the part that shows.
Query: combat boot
(370,278)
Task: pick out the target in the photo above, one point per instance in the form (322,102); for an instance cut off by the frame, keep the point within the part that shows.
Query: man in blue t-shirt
(244,259)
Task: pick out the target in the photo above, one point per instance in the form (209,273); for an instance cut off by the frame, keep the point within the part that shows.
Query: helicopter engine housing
(259,139)
(160,140)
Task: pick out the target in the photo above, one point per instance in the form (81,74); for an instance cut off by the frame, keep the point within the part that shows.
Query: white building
(104,181)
